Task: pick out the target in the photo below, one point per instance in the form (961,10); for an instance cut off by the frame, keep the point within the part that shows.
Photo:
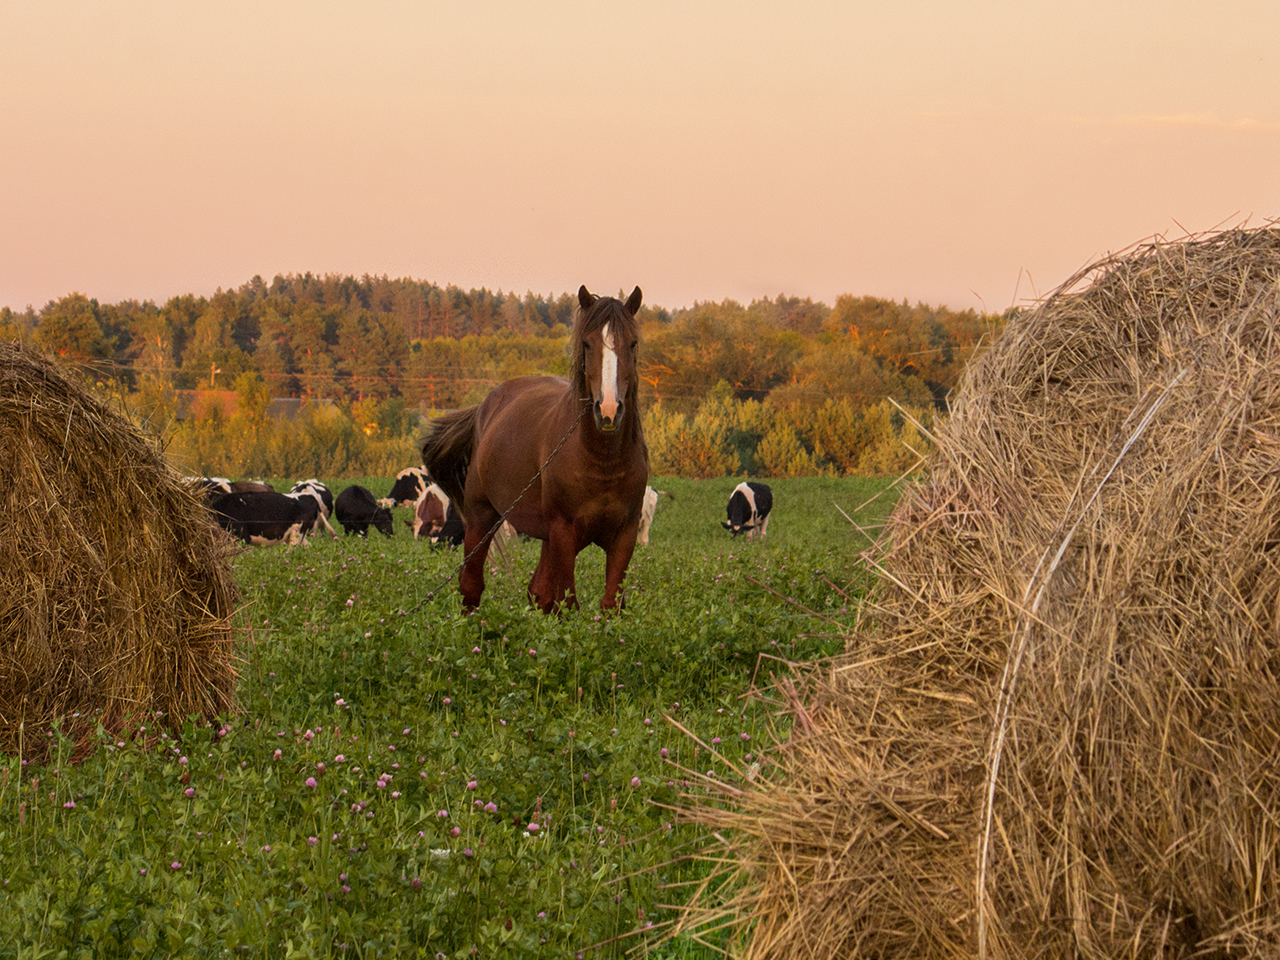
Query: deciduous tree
(72,329)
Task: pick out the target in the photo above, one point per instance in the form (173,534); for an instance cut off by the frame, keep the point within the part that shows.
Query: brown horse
(530,454)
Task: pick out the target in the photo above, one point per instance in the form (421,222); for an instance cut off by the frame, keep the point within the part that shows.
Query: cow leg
(616,559)
(764,527)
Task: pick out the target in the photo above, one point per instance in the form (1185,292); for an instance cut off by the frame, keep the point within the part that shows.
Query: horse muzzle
(607,424)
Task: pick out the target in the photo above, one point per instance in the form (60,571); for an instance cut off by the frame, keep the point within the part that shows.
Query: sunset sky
(962,153)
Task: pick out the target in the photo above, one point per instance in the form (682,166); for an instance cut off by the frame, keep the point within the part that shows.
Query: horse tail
(446,453)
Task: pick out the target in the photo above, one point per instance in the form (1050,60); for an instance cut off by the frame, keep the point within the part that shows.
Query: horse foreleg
(475,545)
(616,560)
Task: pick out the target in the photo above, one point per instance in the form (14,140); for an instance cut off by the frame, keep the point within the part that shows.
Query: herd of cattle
(256,513)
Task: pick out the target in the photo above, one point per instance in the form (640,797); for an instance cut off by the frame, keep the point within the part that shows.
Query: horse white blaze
(608,376)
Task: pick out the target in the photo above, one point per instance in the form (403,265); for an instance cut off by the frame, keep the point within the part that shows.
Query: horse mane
(625,329)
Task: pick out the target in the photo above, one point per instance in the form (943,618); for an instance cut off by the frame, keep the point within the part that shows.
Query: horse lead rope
(488,537)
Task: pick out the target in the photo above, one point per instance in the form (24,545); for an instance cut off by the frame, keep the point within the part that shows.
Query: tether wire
(488,537)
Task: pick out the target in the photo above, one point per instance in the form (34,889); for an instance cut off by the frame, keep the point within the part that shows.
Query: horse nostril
(606,416)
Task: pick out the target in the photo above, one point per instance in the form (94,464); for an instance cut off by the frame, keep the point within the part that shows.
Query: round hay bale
(115,598)
(1057,733)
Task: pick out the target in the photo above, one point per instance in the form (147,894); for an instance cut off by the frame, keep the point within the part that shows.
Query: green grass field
(403,780)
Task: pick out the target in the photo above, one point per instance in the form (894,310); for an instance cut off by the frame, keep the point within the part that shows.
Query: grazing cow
(317,491)
(263,518)
(647,510)
(209,487)
(435,518)
(749,507)
(411,483)
(221,484)
(356,508)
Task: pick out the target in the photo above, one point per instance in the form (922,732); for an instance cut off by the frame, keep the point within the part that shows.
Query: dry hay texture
(1057,734)
(115,598)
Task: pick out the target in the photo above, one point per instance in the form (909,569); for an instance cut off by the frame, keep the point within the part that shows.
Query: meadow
(403,780)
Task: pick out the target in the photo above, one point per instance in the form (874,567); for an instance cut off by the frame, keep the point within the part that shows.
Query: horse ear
(585,297)
(633,301)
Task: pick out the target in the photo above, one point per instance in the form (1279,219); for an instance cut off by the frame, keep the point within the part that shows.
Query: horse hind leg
(549,588)
(568,589)
(541,586)
(475,546)
(552,584)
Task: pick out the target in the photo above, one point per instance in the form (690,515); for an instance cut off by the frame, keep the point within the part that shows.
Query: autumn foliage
(780,387)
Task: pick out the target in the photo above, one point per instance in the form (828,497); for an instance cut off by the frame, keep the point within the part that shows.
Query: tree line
(347,338)
(408,345)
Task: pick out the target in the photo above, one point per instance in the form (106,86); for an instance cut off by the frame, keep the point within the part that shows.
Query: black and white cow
(356,508)
(323,496)
(436,518)
(749,507)
(212,487)
(209,487)
(647,509)
(411,483)
(263,518)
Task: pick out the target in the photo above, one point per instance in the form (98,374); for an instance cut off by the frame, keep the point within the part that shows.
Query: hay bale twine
(1057,734)
(115,598)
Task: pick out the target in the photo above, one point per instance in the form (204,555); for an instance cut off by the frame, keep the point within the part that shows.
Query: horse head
(605,358)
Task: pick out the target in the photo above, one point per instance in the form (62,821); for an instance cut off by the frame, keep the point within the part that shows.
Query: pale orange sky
(960,153)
